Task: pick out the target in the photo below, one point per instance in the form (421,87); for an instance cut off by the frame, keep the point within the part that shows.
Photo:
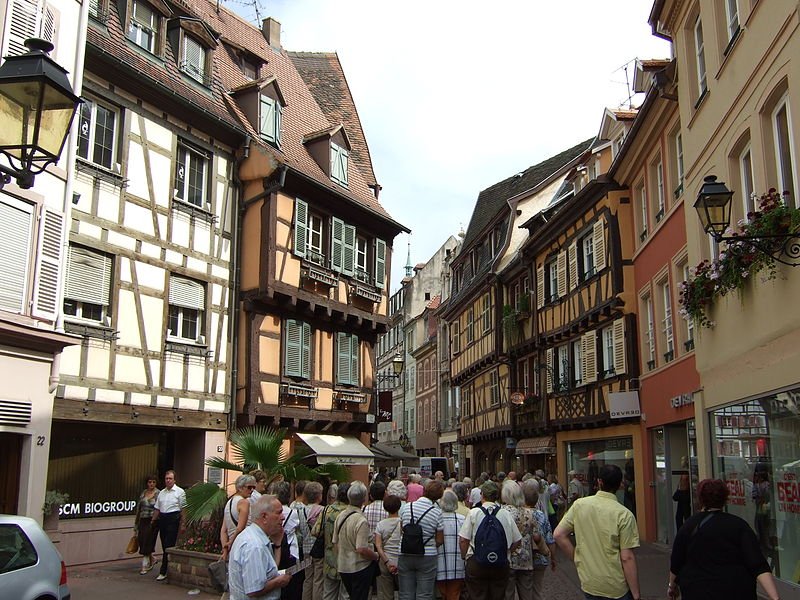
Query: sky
(455,96)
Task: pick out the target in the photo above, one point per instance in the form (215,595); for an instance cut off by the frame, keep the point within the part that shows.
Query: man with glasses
(168,514)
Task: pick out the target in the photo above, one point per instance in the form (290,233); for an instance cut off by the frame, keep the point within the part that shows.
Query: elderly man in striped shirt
(252,571)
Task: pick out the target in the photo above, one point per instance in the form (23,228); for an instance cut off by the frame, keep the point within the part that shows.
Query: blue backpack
(491,546)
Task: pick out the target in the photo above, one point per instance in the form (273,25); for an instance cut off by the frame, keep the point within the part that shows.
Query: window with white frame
(678,146)
(641,198)
(314,250)
(270,120)
(187,301)
(97,133)
(193,62)
(577,363)
(87,291)
(361,272)
(339,163)
(562,367)
(552,280)
(494,390)
(470,325)
(650,332)
(607,340)
(296,349)
(143,26)
(657,179)
(746,178)
(347,346)
(16,236)
(732,19)
(784,152)
(486,315)
(667,333)
(688,323)
(191,176)
(700,57)
(587,256)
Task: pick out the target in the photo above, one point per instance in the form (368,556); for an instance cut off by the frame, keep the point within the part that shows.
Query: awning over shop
(387,453)
(341,449)
(537,445)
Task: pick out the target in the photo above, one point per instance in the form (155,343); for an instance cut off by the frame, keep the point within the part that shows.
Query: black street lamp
(37,106)
(713,206)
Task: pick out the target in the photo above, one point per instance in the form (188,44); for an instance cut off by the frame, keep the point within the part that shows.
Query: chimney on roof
(272,32)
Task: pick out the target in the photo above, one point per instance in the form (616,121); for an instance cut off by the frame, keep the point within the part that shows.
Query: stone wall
(189,569)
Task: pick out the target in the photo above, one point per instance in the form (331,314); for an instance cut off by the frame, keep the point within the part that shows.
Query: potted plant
(53,501)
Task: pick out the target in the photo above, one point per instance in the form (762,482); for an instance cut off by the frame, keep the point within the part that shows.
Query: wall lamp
(397,369)
(713,206)
(37,105)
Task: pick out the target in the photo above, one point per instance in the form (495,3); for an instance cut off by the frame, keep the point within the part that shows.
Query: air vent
(15,412)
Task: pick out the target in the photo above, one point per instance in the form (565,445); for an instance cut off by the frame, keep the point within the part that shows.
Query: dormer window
(249,69)
(143,26)
(339,160)
(270,116)
(193,60)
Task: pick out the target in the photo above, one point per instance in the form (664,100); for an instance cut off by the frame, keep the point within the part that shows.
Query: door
(661,487)
(10,463)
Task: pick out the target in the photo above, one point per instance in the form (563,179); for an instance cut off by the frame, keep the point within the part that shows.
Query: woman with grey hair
(450,570)
(520,574)
(236,514)
(283,491)
(530,489)
(397,488)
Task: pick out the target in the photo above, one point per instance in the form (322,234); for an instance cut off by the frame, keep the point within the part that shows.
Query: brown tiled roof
(303,113)
(435,302)
(325,77)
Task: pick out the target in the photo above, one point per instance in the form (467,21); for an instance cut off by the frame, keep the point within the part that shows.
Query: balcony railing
(293,394)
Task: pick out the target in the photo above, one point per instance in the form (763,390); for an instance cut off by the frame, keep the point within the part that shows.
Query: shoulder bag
(318,549)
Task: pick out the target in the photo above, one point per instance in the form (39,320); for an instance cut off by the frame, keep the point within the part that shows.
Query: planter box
(189,569)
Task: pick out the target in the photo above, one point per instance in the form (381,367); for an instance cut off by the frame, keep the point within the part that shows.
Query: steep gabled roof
(492,200)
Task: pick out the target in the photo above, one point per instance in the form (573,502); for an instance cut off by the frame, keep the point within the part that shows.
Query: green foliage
(203,536)
(256,447)
(740,259)
(54,498)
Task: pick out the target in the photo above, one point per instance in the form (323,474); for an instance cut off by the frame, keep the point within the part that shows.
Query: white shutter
(619,346)
(267,119)
(48,267)
(50,25)
(561,266)
(589,349)
(540,287)
(573,265)
(186,293)
(599,246)
(24,23)
(88,276)
(16,221)
(549,369)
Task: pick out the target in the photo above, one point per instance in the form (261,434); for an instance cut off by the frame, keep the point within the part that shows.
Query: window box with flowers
(741,259)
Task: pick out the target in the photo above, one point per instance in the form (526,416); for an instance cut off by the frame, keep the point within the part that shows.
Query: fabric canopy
(386,452)
(345,450)
(537,445)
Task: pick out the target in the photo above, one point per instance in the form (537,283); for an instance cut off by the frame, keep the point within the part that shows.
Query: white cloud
(457,95)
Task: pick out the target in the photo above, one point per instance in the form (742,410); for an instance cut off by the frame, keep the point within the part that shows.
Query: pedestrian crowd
(491,540)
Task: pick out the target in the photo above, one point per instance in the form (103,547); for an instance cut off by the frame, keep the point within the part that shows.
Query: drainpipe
(66,208)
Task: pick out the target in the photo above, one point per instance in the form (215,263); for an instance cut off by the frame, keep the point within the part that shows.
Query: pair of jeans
(484,582)
(417,576)
(627,596)
(168,525)
(359,584)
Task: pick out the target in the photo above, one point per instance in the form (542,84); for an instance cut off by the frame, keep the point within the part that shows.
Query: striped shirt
(375,513)
(431,522)
(251,565)
(451,565)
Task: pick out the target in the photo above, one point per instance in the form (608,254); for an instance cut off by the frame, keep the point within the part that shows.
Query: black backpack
(491,545)
(412,541)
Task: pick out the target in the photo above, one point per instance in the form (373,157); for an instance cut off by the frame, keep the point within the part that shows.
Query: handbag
(133,545)
(318,549)
(218,573)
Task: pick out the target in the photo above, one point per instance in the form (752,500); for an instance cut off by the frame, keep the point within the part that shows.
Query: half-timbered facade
(427,380)
(148,275)
(316,251)
(586,326)
(474,313)
(33,223)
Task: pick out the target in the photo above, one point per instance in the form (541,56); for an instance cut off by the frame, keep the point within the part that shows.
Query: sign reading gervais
(624,404)
(109,508)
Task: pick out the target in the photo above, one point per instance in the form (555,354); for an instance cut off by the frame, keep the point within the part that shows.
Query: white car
(30,566)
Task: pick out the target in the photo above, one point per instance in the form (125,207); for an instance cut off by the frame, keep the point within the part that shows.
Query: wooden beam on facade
(90,411)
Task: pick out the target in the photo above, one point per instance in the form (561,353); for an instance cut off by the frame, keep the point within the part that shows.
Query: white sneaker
(161,577)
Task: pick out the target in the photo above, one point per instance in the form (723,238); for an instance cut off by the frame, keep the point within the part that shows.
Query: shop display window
(586,458)
(756,451)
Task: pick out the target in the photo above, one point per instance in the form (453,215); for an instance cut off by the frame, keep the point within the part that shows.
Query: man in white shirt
(252,571)
(169,504)
(487,582)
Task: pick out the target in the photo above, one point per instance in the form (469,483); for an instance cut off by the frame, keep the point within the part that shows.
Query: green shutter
(293,355)
(300,227)
(267,120)
(337,244)
(278,122)
(354,346)
(349,249)
(343,362)
(341,170)
(306,351)
(380,263)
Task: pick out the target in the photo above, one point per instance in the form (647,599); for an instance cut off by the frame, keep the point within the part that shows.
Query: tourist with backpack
(486,539)
(422,532)
(355,557)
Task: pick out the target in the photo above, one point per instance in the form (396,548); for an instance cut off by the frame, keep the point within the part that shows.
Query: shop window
(587,457)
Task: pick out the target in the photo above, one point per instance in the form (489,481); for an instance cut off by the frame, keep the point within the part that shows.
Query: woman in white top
(236,515)
(387,543)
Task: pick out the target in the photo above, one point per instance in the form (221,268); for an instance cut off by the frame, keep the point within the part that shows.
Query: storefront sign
(624,404)
(385,406)
(682,400)
(789,494)
(736,490)
(97,509)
